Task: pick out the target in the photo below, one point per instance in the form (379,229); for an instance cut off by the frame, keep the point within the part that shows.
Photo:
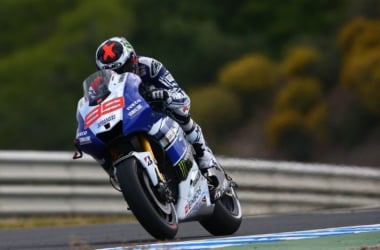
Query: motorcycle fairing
(146,162)
(196,201)
(123,104)
(171,138)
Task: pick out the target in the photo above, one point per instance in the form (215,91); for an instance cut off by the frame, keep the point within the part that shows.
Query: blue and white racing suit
(155,76)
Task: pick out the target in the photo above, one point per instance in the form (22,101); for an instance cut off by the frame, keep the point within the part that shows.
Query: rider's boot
(210,168)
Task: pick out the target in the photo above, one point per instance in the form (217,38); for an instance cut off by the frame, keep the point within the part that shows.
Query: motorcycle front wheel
(157,217)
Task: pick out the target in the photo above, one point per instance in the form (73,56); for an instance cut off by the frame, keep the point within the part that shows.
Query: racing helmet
(117,54)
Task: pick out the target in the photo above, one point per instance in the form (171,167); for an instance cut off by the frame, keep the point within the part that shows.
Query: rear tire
(227,215)
(157,217)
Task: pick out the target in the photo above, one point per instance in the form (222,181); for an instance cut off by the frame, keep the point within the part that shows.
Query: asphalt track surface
(132,234)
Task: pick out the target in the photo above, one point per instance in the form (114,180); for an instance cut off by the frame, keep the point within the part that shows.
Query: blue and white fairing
(112,106)
(119,109)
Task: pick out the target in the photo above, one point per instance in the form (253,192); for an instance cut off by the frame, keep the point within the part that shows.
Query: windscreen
(96,86)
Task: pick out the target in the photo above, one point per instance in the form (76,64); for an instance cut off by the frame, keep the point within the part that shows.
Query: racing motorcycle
(151,161)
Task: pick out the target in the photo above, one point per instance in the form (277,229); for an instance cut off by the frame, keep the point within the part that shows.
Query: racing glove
(158,95)
(158,98)
(174,103)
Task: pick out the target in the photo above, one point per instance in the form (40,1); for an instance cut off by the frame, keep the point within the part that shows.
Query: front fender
(146,162)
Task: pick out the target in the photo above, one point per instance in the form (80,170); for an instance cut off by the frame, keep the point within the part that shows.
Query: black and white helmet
(117,54)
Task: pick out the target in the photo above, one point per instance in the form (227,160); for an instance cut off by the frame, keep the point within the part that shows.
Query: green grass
(358,241)
(60,220)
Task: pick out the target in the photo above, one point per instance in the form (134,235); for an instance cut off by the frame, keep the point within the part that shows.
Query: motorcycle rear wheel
(227,215)
(157,217)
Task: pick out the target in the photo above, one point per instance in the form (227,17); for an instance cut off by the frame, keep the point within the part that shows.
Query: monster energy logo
(183,168)
(128,45)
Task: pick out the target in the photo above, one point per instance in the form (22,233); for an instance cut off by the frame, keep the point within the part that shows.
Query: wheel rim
(167,210)
(231,203)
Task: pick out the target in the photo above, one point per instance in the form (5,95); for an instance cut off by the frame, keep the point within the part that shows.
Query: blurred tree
(316,121)
(252,77)
(194,39)
(359,35)
(300,95)
(360,74)
(217,110)
(362,8)
(25,23)
(279,23)
(47,48)
(187,39)
(299,120)
(287,132)
(301,61)
(42,83)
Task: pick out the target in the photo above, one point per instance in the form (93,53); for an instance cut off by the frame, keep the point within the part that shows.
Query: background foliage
(307,71)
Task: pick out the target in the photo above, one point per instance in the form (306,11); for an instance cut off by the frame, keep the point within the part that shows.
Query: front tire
(157,217)
(227,215)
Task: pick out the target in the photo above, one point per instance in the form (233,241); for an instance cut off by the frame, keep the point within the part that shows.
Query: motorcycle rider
(159,85)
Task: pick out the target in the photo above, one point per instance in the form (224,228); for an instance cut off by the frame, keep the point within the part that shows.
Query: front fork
(165,194)
(146,160)
(145,144)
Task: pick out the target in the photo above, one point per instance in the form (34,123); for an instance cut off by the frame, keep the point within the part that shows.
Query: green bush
(300,95)
(287,133)
(300,119)
(43,82)
(360,75)
(359,35)
(252,78)
(216,110)
(359,40)
(316,120)
(300,61)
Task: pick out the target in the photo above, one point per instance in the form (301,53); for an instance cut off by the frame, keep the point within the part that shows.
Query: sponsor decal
(193,201)
(128,45)
(217,194)
(82,133)
(106,120)
(84,140)
(134,107)
(183,168)
(168,80)
(185,108)
(103,109)
(133,104)
(197,178)
(112,65)
(135,110)
(148,160)
(155,67)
